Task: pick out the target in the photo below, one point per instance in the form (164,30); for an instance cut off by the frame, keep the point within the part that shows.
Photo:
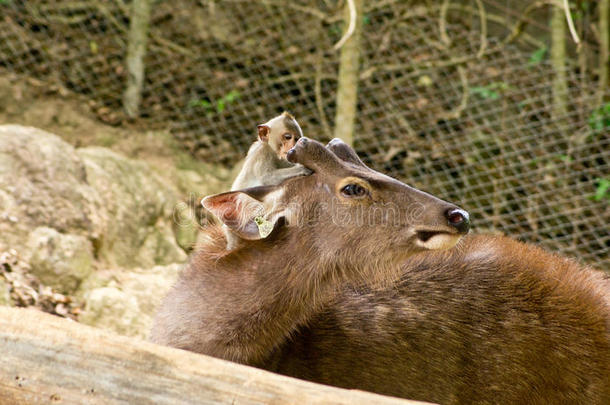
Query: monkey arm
(278,175)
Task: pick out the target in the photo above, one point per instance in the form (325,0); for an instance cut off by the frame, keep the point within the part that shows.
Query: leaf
(485,92)
(425,81)
(93,46)
(600,118)
(537,56)
(603,185)
(200,103)
(232,96)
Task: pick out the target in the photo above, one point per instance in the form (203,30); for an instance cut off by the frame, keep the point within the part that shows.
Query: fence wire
(445,103)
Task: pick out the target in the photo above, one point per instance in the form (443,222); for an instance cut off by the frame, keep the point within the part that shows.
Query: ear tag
(264,227)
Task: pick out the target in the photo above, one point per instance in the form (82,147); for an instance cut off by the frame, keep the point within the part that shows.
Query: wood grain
(47,359)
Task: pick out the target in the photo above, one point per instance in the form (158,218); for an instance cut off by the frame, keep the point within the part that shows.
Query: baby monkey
(266,163)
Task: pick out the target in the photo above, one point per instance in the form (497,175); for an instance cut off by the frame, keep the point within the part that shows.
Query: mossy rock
(61,261)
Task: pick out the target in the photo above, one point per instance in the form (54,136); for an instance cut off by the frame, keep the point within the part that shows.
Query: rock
(186,224)
(160,247)
(122,206)
(71,212)
(138,203)
(5,297)
(194,185)
(112,309)
(127,306)
(42,183)
(188,215)
(61,261)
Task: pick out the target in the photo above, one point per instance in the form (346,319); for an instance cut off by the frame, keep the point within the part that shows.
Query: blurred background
(502,106)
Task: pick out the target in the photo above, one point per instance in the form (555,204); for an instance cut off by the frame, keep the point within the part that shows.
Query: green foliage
(537,56)
(93,47)
(219,105)
(334,29)
(603,189)
(491,91)
(585,5)
(599,119)
(5,2)
(200,103)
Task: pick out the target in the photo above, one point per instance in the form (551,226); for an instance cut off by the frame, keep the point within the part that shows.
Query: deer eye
(287,136)
(354,190)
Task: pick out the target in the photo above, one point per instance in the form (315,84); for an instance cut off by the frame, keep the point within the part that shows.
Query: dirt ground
(30,102)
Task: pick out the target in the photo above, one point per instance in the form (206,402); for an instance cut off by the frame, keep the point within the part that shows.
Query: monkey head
(281,133)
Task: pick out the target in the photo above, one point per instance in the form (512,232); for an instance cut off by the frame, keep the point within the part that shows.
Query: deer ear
(263,132)
(244,214)
(344,152)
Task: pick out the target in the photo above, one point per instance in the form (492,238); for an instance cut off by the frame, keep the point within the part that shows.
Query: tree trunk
(47,359)
(604,51)
(349,67)
(558,60)
(136,50)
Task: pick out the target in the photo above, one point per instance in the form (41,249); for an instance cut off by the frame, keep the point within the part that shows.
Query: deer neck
(258,296)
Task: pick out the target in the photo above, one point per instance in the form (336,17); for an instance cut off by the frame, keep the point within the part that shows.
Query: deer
(491,321)
(351,278)
(241,304)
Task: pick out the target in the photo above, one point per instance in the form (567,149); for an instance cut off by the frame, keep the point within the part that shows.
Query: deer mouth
(436,239)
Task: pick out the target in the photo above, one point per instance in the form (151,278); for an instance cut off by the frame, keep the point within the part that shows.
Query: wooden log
(47,359)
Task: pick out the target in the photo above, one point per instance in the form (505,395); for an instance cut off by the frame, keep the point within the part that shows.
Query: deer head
(343,215)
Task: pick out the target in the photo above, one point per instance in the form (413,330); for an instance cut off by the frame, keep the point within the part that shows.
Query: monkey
(266,163)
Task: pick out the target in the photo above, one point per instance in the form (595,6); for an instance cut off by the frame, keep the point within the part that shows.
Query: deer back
(490,321)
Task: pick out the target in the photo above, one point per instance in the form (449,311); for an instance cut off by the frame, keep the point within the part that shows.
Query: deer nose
(459,219)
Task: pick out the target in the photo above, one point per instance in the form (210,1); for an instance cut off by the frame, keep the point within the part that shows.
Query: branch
(566,9)
(351,27)
(502,21)
(442,23)
(522,22)
(319,98)
(483,22)
(287,4)
(457,111)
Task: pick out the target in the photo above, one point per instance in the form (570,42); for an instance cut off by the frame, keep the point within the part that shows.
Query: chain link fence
(455,98)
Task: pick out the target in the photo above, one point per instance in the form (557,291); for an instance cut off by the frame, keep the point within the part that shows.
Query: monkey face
(287,141)
(281,132)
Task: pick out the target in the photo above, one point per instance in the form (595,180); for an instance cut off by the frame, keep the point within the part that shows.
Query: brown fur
(490,321)
(266,162)
(242,304)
